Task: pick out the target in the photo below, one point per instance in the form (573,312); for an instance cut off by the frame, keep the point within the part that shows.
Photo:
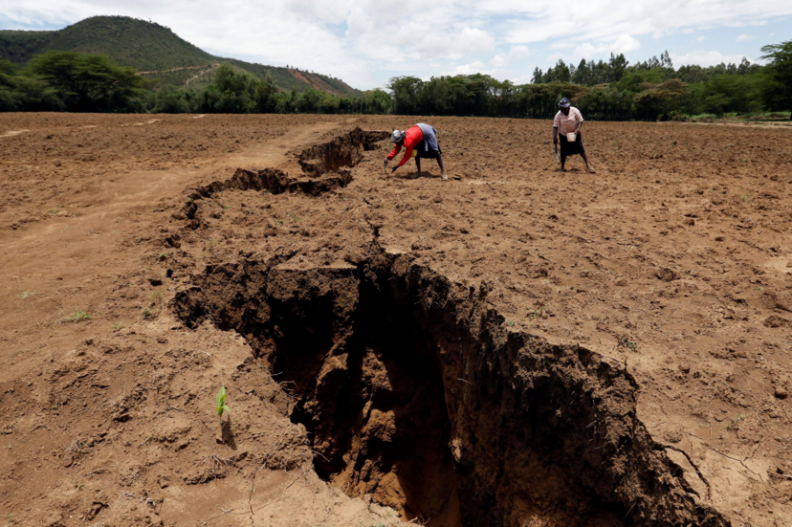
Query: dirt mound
(414,391)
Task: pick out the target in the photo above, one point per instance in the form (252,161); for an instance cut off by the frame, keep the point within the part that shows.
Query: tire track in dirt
(12,133)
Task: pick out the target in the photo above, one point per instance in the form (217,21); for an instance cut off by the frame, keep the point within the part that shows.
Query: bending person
(568,120)
(420,142)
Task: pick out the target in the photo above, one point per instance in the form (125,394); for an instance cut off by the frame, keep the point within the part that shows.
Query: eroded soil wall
(414,391)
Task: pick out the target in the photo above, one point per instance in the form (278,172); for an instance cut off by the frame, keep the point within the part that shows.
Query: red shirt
(412,138)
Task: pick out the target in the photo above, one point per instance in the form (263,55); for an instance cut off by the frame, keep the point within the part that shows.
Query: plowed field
(512,347)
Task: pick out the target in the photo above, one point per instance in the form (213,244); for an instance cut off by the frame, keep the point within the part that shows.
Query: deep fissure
(372,400)
(413,391)
(324,168)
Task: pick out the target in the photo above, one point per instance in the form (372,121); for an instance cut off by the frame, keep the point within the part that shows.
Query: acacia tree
(778,90)
(87,82)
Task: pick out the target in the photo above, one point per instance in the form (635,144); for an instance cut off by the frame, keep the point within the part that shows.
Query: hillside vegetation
(155,51)
(614,90)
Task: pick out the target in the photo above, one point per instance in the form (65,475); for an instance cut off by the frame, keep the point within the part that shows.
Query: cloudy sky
(367,42)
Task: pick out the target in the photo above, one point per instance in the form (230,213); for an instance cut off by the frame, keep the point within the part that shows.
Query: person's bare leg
(442,168)
(585,158)
(418,164)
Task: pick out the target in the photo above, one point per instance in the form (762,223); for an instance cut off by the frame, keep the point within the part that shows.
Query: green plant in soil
(734,422)
(220,403)
(79,316)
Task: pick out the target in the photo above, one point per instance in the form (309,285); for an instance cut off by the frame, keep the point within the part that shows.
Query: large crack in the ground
(413,391)
(324,167)
(344,151)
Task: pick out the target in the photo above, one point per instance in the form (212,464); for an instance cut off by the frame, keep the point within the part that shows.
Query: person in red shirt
(420,141)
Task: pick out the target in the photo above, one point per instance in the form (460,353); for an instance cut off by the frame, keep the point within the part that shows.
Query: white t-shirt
(567,123)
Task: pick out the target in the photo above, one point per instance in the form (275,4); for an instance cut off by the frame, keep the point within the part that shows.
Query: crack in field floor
(373,356)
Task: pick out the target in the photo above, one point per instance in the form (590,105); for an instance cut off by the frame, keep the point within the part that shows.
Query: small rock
(684,367)
(780,393)
(63,214)
(774,321)
(690,221)
(674,436)
(666,274)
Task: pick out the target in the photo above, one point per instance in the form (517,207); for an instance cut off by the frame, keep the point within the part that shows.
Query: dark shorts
(424,152)
(571,149)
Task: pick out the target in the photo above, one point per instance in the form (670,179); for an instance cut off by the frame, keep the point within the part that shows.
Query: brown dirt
(512,347)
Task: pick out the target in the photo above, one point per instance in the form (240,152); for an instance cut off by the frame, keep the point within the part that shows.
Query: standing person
(569,120)
(423,139)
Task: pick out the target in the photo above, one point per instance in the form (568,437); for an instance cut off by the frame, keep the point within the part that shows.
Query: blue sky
(367,42)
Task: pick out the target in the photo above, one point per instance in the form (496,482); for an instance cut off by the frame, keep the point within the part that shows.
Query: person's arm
(579,119)
(394,152)
(390,156)
(407,154)
(413,138)
(556,124)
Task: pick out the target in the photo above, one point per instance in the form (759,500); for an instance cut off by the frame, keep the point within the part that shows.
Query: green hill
(154,50)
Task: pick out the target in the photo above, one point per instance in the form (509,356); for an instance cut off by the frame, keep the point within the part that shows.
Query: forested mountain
(155,51)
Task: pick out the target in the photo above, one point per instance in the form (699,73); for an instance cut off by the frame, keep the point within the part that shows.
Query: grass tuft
(79,316)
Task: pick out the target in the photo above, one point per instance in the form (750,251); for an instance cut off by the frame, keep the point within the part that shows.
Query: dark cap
(563,103)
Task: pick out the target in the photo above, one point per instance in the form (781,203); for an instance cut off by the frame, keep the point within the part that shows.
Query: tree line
(73,82)
(612,90)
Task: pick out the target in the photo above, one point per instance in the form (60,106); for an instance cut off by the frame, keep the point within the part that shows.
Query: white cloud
(499,61)
(470,69)
(474,40)
(701,38)
(705,58)
(745,38)
(554,57)
(623,44)
(603,20)
(519,52)
(587,51)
